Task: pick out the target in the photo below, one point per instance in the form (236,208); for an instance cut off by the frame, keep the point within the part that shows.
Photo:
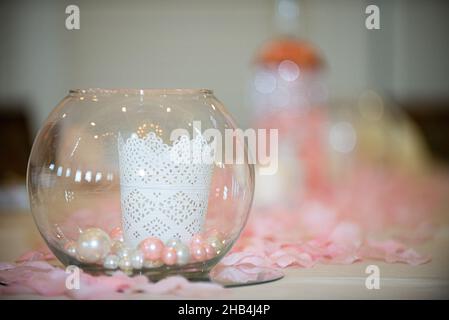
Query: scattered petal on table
(392,251)
(39,277)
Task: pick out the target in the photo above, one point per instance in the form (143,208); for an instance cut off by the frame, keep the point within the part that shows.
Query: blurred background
(400,71)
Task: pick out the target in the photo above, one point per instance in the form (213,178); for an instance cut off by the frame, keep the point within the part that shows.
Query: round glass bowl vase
(137,180)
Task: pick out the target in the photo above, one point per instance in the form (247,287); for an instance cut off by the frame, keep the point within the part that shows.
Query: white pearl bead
(182,254)
(136,258)
(124,252)
(70,248)
(172,243)
(93,245)
(111,262)
(125,264)
(149,264)
(215,243)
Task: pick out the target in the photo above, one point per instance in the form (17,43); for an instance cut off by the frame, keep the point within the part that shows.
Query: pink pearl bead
(152,248)
(210,251)
(197,252)
(116,233)
(169,256)
(197,239)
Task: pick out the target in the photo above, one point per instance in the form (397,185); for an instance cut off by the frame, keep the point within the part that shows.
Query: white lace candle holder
(164,189)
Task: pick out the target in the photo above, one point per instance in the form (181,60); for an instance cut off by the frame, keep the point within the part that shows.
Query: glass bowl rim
(140,91)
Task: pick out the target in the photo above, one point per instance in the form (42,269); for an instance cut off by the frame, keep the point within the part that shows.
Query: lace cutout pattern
(164,189)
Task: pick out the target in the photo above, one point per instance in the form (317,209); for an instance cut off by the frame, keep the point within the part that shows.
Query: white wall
(33,60)
(421,49)
(210,43)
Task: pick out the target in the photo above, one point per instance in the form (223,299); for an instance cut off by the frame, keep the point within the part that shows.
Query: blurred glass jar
(288,92)
(372,131)
(126,179)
